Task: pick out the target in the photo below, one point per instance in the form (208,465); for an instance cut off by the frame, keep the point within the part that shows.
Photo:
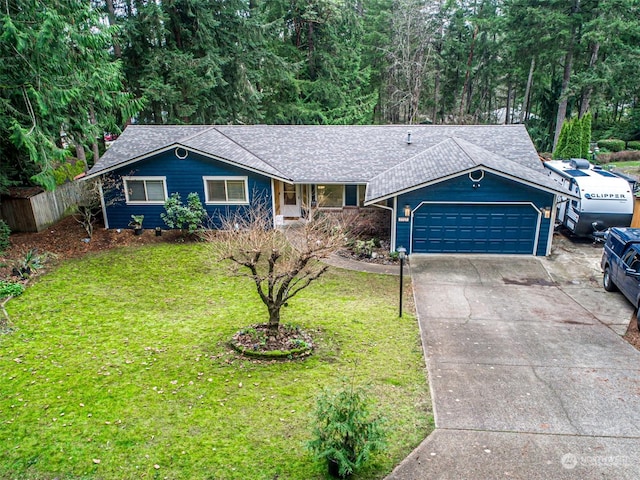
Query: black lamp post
(402,252)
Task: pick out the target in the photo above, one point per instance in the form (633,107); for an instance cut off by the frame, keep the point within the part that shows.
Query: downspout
(103,205)
(273,203)
(552,223)
(392,246)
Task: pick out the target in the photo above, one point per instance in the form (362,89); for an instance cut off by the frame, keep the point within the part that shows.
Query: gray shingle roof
(379,154)
(139,141)
(452,156)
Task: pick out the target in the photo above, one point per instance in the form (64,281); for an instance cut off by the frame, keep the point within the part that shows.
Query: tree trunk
(274,317)
(507,109)
(586,94)
(111,13)
(157,113)
(568,65)
(527,91)
(562,106)
(177,33)
(310,53)
(467,76)
(80,154)
(436,92)
(417,88)
(94,144)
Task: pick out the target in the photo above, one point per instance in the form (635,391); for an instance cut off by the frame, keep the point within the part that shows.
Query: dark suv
(621,264)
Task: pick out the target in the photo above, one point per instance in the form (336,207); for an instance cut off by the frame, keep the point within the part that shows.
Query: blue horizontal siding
(183,176)
(493,188)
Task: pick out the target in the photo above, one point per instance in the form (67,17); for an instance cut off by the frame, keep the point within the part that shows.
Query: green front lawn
(632,163)
(119,368)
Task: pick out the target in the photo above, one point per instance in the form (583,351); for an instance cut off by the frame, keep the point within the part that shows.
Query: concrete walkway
(338,261)
(529,376)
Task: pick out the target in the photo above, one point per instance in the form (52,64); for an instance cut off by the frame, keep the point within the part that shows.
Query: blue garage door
(474,228)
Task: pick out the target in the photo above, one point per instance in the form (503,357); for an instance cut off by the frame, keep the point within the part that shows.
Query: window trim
(362,197)
(207,178)
(145,179)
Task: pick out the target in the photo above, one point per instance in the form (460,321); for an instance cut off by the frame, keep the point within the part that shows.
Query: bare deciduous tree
(90,195)
(280,263)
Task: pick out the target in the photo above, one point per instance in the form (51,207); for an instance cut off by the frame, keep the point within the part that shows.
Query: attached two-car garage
(503,228)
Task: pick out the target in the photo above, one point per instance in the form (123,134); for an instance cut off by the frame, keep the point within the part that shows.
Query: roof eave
(467,171)
(191,149)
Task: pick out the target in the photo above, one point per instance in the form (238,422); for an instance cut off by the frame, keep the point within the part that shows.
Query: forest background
(73,70)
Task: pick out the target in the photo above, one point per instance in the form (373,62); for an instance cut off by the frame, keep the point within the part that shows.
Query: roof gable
(450,157)
(138,141)
(142,141)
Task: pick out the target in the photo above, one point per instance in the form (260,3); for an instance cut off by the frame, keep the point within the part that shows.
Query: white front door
(290,200)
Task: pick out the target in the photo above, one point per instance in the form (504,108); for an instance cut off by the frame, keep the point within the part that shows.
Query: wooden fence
(33,210)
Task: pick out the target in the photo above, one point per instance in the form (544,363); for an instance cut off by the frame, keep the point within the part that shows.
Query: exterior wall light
(407,213)
(546,211)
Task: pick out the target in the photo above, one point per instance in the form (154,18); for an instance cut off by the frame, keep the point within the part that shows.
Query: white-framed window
(330,195)
(145,189)
(226,190)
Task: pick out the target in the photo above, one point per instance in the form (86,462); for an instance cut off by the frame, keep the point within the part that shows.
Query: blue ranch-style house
(434,188)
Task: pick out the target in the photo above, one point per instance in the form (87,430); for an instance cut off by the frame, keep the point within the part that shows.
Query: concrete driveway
(529,376)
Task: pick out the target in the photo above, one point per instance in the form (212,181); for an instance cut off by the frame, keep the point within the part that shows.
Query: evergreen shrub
(189,217)
(5,231)
(345,431)
(68,171)
(611,144)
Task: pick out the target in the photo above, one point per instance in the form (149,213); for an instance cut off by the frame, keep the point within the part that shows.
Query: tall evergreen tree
(59,86)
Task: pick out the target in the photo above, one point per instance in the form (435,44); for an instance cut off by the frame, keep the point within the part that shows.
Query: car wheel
(607,283)
(637,319)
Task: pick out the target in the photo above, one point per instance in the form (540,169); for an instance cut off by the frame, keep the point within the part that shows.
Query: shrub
(574,138)
(136,221)
(190,216)
(5,231)
(633,145)
(562,140)
(68,171)
(10,289)
(611,144)
(30,263)
(364,248)
(345,432)
(603,158)
(625,156)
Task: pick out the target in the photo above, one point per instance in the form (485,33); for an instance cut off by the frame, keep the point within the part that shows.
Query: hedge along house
(436,189)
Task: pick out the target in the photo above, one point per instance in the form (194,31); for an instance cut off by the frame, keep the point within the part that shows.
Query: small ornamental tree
(190,217)
(91,193)
(280,265)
